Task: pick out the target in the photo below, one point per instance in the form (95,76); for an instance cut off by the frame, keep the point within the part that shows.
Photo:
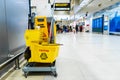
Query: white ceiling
(93,6)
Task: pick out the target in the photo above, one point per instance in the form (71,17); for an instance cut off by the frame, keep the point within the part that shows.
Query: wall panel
(3,33)
(17,19)
(13,23)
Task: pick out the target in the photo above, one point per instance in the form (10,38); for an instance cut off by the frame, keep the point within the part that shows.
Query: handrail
(15,58)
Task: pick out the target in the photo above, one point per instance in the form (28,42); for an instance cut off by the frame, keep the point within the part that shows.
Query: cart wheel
(55,74)
(25,74)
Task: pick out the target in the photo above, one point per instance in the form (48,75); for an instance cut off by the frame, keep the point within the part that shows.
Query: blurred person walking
(76,28)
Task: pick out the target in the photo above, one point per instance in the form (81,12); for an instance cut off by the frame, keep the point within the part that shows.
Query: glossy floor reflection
(83,56)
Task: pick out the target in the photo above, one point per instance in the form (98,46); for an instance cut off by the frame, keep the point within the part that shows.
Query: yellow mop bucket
(45,53)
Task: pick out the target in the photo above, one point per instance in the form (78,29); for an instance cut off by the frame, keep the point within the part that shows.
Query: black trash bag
(27,54)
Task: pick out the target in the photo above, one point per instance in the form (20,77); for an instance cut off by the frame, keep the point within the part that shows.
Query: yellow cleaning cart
(42,50)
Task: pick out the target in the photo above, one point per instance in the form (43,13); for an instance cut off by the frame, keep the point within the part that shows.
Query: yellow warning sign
(43,56)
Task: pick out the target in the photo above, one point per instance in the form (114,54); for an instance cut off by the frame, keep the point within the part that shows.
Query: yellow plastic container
(32,36)
(46,53)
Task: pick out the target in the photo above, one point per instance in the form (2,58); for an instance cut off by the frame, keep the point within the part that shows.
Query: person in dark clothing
(81,28)
(70,28)
(58,28)
(64,28)
(76,27)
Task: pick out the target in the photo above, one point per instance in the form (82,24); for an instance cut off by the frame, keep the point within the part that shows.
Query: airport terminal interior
(59,39)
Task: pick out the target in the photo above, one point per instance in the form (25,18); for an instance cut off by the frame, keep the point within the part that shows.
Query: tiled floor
(83,56)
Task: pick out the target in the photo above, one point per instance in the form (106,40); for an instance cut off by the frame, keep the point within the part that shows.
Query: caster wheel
(55,75)
(25,74)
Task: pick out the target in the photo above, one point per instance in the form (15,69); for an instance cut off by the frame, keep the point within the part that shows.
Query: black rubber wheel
(25,74)
(55,75)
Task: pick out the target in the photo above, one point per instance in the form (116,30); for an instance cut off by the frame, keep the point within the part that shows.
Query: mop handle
(52,25)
